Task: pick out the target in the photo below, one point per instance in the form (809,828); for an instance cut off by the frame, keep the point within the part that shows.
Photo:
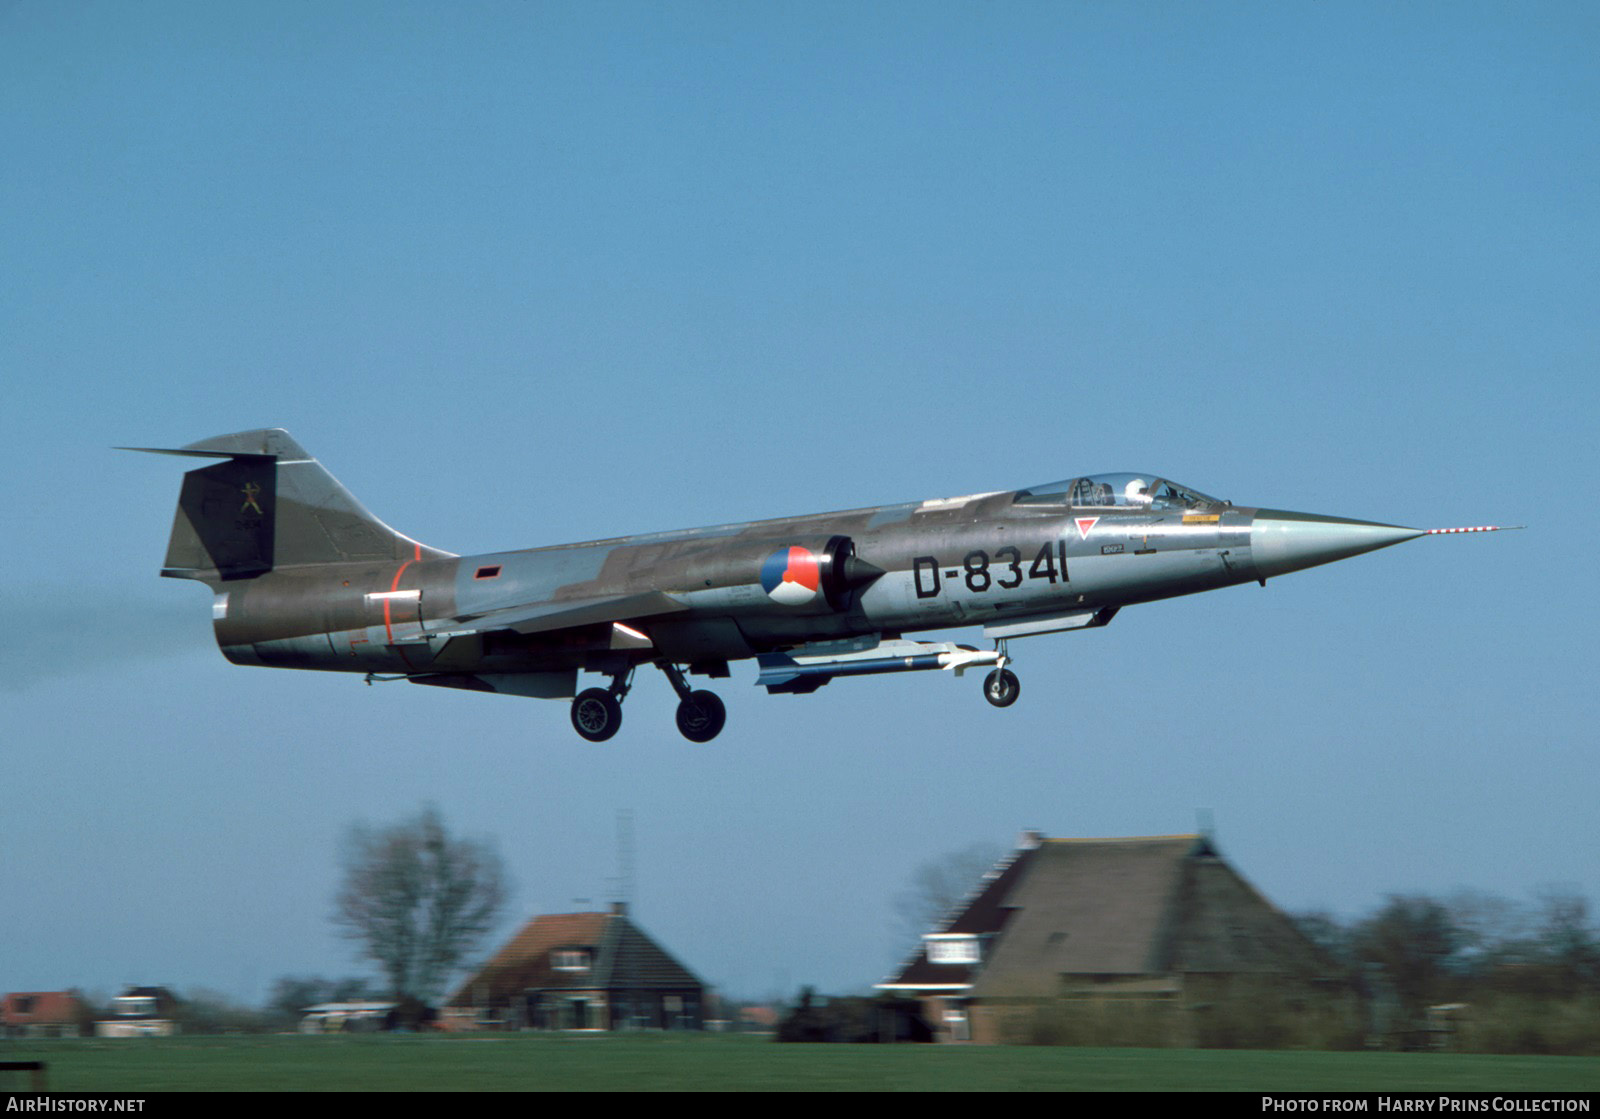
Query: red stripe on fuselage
(388,625)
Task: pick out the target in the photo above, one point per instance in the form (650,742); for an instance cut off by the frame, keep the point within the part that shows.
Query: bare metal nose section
(1281,542)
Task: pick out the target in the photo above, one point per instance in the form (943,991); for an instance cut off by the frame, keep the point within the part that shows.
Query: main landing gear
(701,715)
(597,712)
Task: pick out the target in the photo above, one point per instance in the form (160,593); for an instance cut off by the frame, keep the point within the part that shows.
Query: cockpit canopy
(1128,491)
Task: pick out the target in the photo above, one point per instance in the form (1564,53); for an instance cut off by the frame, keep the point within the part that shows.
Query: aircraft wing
(544,617)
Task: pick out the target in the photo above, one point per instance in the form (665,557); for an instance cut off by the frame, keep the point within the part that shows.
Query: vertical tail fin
(270,505)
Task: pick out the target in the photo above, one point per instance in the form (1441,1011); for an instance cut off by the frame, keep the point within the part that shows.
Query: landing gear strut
(597,712)
(701,715)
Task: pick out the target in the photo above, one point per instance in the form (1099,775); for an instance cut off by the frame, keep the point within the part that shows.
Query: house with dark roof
(141,1012)
(1066,926)
(580,971)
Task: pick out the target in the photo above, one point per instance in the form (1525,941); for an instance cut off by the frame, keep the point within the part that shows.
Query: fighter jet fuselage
(305,577)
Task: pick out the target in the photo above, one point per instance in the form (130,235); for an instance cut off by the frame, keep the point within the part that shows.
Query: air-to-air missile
(304,577)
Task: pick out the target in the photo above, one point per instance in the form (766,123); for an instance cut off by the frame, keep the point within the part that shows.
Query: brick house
(43,1014)
(579,971)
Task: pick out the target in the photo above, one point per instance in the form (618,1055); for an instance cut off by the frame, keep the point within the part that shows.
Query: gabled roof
(621,957)
(982,914)
(1115,909)
(1092,907)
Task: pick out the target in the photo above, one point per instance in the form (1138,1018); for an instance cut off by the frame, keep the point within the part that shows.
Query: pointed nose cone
(858,572)
(1282,542)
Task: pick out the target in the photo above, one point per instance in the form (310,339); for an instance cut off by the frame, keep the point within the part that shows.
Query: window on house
(956,1021)
(952,948)
(570,959)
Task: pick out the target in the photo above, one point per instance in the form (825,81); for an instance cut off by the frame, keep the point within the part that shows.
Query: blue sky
(532,273)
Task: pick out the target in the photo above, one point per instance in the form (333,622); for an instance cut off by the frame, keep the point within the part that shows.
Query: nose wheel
(1001,687)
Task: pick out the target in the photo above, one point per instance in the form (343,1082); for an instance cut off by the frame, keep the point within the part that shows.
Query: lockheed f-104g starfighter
(303,576)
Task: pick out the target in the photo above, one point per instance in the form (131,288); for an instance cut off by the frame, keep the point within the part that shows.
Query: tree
(418,901)
(939,885)
(1415,942)
(1568,940)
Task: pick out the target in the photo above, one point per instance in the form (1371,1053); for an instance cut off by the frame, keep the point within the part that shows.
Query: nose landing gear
(1001,687)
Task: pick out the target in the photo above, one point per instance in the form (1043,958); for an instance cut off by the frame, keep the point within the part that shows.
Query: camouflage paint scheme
(305,577)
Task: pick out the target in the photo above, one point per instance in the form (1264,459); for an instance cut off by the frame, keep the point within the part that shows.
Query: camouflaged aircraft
(303,576)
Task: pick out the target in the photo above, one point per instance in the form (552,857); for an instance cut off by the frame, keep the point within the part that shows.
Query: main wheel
(1001,687)
(701,717)
(596,714)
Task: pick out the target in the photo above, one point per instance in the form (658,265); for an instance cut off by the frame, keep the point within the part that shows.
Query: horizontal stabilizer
(194,454)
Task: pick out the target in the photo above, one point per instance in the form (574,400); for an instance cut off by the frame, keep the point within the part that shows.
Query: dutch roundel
(791,576)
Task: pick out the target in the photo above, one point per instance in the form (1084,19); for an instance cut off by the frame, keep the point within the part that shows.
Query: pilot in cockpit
(1086,491)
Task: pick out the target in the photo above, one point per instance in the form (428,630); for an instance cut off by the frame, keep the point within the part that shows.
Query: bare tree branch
(418,901)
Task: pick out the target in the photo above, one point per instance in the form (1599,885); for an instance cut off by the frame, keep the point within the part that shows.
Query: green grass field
(666,1062)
